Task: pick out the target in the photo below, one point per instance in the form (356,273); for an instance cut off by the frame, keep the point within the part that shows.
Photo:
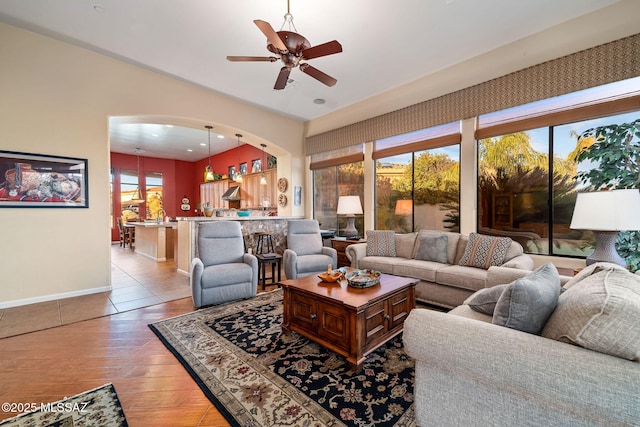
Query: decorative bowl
(243,213)
(363,278)
(334,276)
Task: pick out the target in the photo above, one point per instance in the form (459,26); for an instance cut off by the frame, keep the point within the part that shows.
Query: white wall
(56,98)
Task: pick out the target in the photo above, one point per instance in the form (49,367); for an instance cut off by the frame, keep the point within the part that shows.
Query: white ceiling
(385,44)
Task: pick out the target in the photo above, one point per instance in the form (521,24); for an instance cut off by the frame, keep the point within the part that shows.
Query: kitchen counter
(155,240)
(188,234)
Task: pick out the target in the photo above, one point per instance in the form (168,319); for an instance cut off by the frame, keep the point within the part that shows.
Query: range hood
(231,193)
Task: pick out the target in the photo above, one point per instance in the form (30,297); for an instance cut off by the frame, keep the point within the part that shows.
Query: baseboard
(52,297)
(184,273)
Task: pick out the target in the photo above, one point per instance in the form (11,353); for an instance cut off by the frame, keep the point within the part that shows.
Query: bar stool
(265,242)
(245,237)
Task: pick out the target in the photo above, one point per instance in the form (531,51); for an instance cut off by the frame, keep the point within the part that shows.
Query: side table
(340,245)
(275,260)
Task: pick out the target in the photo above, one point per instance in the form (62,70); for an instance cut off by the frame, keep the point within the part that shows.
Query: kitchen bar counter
(188,234)
(155,240)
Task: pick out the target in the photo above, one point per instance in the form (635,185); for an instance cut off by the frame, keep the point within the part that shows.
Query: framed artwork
(42,181)
(231,171)
(243,168)
(256,165)
(297,196)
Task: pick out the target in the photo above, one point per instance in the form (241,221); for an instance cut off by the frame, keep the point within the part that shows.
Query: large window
(130,209)
(419,188)
(528,182)
(154,205)
(335,174)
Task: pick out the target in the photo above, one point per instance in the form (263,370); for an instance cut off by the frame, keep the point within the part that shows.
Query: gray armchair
(305,255)
(222,272)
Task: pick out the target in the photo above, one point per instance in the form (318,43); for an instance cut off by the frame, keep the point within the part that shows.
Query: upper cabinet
(256,195)
(212,192)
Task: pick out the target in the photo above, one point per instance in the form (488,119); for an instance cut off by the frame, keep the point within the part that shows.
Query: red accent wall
(180,179)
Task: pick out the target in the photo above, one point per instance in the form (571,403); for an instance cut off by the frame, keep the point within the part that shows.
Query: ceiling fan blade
(252,58)
(318,75)
(324,49)
(271,34)
(281,81)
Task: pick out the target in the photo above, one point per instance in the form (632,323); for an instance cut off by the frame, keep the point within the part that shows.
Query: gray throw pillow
(432,248)
(527,302)
(485,300)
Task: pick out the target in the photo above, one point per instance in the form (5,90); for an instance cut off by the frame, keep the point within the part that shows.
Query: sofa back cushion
(484,251)
(381,243)
(452,242)
(600,313)
(405,244)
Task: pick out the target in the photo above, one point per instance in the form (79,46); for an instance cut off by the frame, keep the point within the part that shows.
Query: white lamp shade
(349,205)
(613,210)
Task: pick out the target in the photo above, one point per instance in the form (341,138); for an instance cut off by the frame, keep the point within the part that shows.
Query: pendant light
(263,178)
(137,195)
(238,177)
(208,172)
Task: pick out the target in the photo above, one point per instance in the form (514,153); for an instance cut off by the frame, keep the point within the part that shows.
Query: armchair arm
(195,278)
(356,252)
(290,259)
(523,262)
(333,254)
(252,262)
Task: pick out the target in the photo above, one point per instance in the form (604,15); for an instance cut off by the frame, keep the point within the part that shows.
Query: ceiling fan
(293,50)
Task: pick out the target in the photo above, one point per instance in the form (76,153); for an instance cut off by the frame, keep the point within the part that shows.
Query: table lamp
(606,213)
(350,206)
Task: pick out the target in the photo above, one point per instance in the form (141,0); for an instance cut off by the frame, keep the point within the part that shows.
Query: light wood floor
(153,387)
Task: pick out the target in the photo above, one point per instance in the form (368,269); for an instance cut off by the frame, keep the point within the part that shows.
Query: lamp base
(605,250)
(350,232)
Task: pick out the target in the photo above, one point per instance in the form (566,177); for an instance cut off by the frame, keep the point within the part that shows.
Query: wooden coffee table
(349,321)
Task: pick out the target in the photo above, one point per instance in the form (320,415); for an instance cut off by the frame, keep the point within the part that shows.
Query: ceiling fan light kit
(293,50)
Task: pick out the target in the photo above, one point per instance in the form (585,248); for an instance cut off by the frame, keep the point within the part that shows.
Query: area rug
(93,408)
(257,376)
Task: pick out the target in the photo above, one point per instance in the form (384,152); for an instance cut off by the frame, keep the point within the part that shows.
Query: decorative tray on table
(363,278)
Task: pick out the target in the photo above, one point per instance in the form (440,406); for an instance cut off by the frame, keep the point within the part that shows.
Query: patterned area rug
(257,376)
(93,408)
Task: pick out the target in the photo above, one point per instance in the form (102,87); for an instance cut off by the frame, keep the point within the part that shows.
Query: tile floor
(137,282)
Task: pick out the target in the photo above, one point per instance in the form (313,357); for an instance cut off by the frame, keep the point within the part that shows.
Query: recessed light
(319,101)
(190,150)
(154,134)
(221,136)
(203,144)
(169,126)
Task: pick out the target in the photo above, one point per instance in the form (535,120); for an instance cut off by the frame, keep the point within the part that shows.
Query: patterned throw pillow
(381,243)
(484,251)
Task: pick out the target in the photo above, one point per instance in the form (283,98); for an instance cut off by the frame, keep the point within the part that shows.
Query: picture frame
(42,181)
(243,168)
(256,165)
(231,171)
(297,196)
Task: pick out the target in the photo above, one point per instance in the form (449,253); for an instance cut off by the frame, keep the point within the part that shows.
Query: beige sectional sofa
(443,282)
(582,370)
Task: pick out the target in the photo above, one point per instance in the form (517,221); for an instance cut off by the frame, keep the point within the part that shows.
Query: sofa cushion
(485,251)
(452,242)
(405,244)
(383,264)
(600,313)
(423,270)
(527,302)
(462,277)
(590,270)
(432,247)
(381,243)
(484,301)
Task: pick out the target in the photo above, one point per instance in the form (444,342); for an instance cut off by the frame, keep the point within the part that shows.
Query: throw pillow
(484,251)
(527,302)
(484,301)
(381,243)
(405,244)
(432,248)
(600,313)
